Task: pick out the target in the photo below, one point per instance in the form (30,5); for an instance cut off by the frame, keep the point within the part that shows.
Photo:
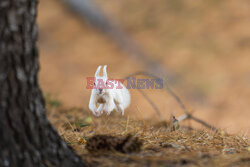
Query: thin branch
(187,115)
(213,128)
(183,117)
(151,103)
(177,98)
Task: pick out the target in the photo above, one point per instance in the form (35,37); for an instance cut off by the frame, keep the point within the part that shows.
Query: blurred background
(205,45)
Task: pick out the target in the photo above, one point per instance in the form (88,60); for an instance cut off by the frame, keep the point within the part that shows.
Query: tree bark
(27,139)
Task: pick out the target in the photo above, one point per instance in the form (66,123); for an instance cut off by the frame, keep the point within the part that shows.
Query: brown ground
(160,146)
(206,43)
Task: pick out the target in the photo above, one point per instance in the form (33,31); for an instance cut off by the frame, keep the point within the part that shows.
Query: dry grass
(161,147)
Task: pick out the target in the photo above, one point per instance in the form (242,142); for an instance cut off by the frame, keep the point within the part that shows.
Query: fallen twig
(187,115)
(151,103)
(178,100)
(213,128)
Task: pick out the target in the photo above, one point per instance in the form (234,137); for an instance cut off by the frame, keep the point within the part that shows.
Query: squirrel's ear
(98,71)
(105,71)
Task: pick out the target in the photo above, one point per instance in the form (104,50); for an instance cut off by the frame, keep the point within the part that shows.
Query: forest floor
(160,145)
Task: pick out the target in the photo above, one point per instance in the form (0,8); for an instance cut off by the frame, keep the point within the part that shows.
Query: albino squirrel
(108,94)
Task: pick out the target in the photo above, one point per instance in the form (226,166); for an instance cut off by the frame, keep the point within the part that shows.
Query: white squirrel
(108,98)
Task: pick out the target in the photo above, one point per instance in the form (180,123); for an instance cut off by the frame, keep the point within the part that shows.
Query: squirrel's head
(101,81)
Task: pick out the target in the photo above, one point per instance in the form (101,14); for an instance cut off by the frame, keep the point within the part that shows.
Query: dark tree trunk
(27,139)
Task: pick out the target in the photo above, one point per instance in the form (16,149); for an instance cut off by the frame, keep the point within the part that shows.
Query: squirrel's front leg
(100,109)
(92,105)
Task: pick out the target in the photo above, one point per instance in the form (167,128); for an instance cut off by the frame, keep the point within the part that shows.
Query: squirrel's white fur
(114,98)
